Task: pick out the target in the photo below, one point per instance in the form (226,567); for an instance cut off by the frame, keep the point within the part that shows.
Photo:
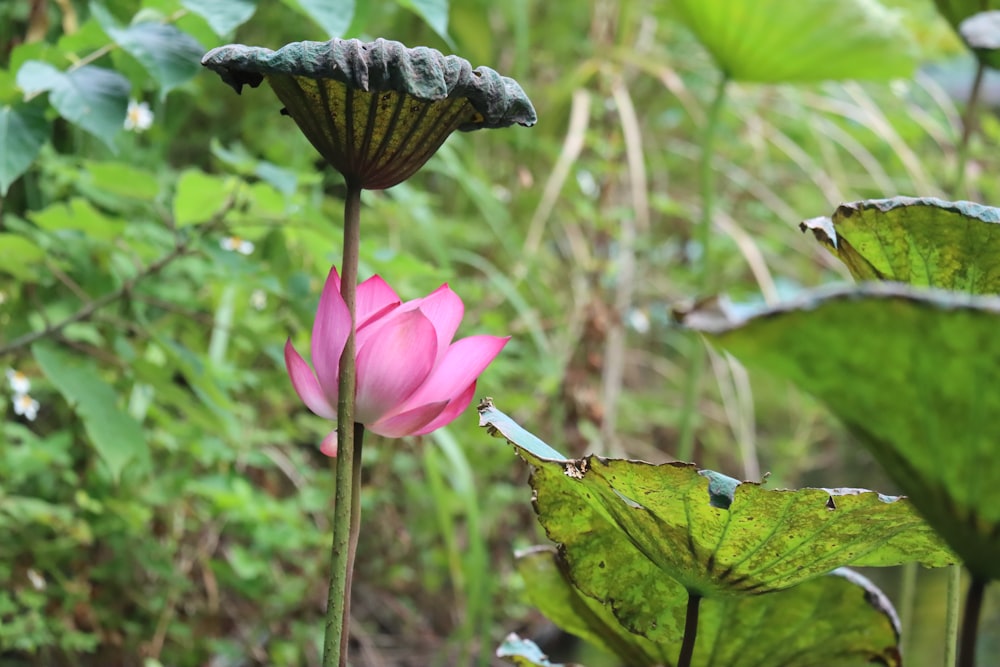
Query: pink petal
(329,444)
(329,334)
(306,386)
(462,364)
(445,309)
(392,364)
(447,416)
(375,297)
(409,422)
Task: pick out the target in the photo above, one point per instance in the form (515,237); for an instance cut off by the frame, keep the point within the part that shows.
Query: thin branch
(181,248)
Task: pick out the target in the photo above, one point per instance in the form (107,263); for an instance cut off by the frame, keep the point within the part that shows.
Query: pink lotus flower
(411,377)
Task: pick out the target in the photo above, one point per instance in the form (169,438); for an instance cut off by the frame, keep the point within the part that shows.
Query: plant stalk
(690,630)
(696,351)
(346,515)
(970,622)
(954,603)
(968,123)
(907,606)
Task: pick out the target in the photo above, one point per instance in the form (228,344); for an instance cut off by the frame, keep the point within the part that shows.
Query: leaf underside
(912,373)
(837,620)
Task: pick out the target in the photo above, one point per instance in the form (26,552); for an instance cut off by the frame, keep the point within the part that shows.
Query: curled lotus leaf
(376,111)
(971,20)
(925,241)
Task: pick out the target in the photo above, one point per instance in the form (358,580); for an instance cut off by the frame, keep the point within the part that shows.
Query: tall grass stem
(685,442)
(951,614)
(970,621)
(968,125)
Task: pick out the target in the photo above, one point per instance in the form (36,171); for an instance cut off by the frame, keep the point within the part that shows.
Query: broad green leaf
(925,242)
(79,214)
(333,17)
(92,97)
(237,157)
(524,653)
(115,435)
(122,179)
(19,256)
(23,130)
(434,12)
(837,620)
(912,372)
(684,526)
(224,16)
(959,11)
(170,55)
(795,41)
(200,196)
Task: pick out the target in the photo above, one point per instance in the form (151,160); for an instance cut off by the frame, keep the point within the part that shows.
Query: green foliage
(118,301)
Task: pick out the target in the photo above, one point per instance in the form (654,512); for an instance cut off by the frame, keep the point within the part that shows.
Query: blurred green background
(163,355)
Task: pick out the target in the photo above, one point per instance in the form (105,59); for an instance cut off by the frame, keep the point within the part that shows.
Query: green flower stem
(970,622)
(690,630)
(954,603)
(346,516)
(685,446)
(968,123)
(907,606)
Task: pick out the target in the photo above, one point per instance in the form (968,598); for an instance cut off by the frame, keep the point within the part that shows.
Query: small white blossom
(638,320)
(37,580)
(236,244)
(27,406)
(138,117)
(258,299)
(19,382)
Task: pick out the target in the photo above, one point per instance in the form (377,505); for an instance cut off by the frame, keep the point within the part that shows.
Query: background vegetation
(169,504)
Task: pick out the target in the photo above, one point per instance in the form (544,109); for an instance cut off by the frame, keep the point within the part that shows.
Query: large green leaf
(913,372)
(20,257)
(434,12)
(78,214)
(926,242)
(788,41)
(170,55)
(92,97)
(648,527)
(200,196)
(333,17)
(115,435)
(23,130)
(838,620)
(224,16)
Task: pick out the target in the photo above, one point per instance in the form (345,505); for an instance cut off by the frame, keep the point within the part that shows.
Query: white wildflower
(19,382)
(37,580)
(138,117)
(27,406)
(638,321)
(258,299)
(237,244)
